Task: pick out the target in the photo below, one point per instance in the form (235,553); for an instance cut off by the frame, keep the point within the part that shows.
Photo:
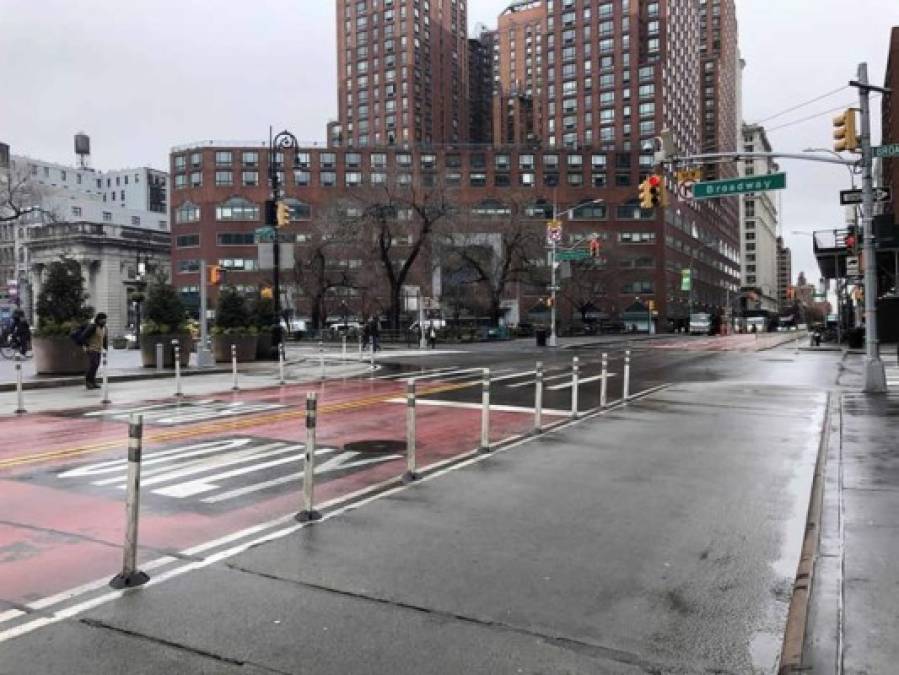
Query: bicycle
(12,344)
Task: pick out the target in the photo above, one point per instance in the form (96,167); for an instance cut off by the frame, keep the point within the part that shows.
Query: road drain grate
(377,447)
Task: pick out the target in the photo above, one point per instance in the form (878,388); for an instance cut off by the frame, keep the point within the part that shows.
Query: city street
(224,469)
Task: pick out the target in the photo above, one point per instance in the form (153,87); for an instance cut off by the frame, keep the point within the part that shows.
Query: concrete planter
(246,347)
(58,356)
(148,349)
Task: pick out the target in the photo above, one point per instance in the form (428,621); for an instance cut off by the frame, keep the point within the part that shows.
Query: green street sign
(686,279)
(735,186)
(266,233)
(891,150)
(575,254)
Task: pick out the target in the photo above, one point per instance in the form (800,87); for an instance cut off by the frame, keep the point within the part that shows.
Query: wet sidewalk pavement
(854,614)
(658,537)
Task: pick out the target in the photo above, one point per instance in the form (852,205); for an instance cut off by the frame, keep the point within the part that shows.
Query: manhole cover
(376,447)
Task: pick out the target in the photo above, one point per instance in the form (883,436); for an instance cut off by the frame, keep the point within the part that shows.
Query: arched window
(188,212)
(589,212)
(540,209)
(298,210)
(237,208)
(491,208)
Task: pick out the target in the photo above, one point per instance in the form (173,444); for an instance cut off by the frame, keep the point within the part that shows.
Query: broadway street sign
(574,254)
(736,186)
(891,150)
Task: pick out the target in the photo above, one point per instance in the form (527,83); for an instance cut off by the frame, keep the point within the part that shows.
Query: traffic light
(215,275)
(645,195)
(595,246)
(266,293)
(657,191)
(853,240)
(283,214)
(844,133)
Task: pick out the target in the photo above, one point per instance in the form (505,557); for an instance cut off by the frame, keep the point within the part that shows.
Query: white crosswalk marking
(218,469)
(531,383)
(583,380)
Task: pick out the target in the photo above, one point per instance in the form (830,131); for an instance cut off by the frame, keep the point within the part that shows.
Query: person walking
(375,335)
(95,343)
(432,337)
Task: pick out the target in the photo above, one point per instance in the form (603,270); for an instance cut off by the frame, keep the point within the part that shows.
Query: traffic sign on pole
(573,254)
(735,186)
(881,194)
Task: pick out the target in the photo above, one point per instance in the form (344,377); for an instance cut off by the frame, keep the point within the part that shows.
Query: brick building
(890,118)
(580,92)
(481,56)
(402,72)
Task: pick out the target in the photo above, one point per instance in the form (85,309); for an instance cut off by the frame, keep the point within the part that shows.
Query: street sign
(553,231)
(266,233)
(574,254)
(891,150)
(881,194)
(852,266)
(734,186)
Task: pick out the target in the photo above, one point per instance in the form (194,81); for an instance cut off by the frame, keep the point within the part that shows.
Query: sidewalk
(854,614)
(659,537)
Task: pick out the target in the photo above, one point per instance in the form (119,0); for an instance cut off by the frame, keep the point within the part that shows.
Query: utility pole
(875,377)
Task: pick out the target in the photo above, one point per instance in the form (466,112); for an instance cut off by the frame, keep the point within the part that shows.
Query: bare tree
(498,256)
(395,226)
(20,197)
(322,263)
(591,280)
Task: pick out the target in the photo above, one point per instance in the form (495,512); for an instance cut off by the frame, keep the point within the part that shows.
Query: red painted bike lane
(61,475)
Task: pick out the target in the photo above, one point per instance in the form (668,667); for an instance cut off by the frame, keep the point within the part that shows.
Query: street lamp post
(553,287)
(278,143)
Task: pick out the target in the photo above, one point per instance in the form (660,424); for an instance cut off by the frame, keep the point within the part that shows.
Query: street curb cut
(797,615)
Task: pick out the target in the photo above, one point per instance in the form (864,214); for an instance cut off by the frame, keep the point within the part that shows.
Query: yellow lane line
(217,427)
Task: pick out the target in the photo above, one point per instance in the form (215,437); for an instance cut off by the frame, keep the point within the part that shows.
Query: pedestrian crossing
(221,471)
(185,412)
(507,377)
(892,373)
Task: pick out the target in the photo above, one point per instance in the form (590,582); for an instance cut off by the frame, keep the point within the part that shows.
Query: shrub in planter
(61,307)
(233,326)
(165,319)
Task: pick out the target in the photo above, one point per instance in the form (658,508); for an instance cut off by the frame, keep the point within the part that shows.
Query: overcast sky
(140,77)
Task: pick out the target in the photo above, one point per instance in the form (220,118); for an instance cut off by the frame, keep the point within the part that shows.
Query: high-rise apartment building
(481,68)
(759,226)
(402,72)
(518,105)
(784,274)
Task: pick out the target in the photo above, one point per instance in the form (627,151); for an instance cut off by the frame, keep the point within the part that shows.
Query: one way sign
(881,194)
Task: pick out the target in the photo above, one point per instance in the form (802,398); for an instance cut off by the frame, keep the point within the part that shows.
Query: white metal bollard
(372,359)
(411,473)
(485,411)
(604,386)
(538,398)
(234,367)
(575,386)
(309,513)
(105,400)
(20,394)
(130,575)
(177,354)
(281,363)
(321,359)
(343,348)
(160,357)
(361,355)
(626,393)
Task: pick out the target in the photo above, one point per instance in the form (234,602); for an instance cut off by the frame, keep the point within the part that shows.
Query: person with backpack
(94,340)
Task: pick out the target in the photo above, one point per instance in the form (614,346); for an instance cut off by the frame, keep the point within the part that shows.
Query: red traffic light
(654,181)
(850,241)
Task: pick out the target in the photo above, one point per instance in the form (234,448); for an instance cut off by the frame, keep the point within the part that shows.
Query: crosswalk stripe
(584,380)
(399,376)
(531,383)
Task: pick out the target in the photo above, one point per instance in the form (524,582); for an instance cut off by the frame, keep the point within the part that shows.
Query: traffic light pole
(553,342)
(875,377)
(204,356)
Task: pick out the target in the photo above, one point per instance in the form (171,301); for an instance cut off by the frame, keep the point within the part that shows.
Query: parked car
(295,328)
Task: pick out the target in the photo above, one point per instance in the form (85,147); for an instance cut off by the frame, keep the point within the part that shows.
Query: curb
(797,615)
(73,381)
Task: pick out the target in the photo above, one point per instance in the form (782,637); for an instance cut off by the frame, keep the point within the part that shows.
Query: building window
(250,178)
(328,178)
(196,179)
(378,160)
(298,210)
(223,178)
(76,211)
(590,212)
(301,178)
(637,237)
(187,213)
(187,241)
(223,158)
(327,160)
(237,208)
(236,238)
(107,216)
(135,220)
(353,178)
(180,165)
(477,179)
(196,159)
(239,264)
(250,158)
(188,266)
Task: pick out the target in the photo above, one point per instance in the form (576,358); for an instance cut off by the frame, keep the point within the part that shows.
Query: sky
(142,77)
